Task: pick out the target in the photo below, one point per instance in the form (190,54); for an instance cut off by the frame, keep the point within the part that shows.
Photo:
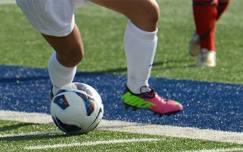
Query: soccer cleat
(194,45)
(207,58)
(54,90)
(152,101)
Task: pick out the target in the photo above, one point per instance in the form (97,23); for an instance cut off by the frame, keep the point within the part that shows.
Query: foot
(55,90)
(207,58)
(150,100)
(194,45)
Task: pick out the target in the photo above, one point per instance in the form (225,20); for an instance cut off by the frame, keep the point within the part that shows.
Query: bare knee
(143,13)
(69,48)
(70,57)
(148,16)
(151,12)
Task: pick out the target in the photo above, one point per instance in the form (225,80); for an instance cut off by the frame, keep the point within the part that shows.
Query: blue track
(207,105)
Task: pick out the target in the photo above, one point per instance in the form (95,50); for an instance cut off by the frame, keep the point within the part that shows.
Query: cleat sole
(127,106)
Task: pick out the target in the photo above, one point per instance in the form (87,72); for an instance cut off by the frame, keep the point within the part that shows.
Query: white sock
(140,48)
(59,74)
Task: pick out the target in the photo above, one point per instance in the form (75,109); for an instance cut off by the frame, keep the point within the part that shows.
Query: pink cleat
(152,101)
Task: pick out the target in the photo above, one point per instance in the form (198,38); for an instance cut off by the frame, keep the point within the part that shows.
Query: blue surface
(207,105)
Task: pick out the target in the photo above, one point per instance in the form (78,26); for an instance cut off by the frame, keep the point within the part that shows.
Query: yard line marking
(37,133)
(40,118)
(173,131)
(139,128)
(93,143)
(7,2)
(218,150)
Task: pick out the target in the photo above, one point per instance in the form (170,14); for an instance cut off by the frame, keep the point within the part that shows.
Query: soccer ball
(77,108)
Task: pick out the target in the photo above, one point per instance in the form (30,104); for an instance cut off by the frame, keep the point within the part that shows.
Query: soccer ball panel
(71,129)
(90,91)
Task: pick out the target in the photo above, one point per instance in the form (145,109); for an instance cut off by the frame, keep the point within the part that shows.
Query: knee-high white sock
(140,48)
(59,74)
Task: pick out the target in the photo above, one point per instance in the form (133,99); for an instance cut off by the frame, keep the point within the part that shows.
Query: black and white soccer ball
(77,108)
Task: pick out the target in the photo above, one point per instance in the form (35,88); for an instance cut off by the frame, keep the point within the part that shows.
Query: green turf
(102,32)
(51,136)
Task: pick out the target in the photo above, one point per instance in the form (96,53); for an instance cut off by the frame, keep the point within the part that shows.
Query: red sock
(222,6)
(205,16)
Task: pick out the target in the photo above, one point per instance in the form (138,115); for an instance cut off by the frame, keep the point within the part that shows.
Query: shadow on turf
(181,64)
(161,65)
(14,126)
(34,136)
(43,135)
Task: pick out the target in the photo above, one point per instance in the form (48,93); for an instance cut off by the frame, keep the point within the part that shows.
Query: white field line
(7,2)
(25,117)
(39,133)
(173,131)
(93,143)
(218,150)
(121,126)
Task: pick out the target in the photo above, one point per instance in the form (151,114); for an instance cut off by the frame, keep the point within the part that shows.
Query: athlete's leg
(143,13)
(62,64)
(140,46)
(55,20)
(69,48)
(140,37)
(205,15)
(222,6)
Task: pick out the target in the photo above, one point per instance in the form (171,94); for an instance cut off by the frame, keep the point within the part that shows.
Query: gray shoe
(194,45)
(207,58)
